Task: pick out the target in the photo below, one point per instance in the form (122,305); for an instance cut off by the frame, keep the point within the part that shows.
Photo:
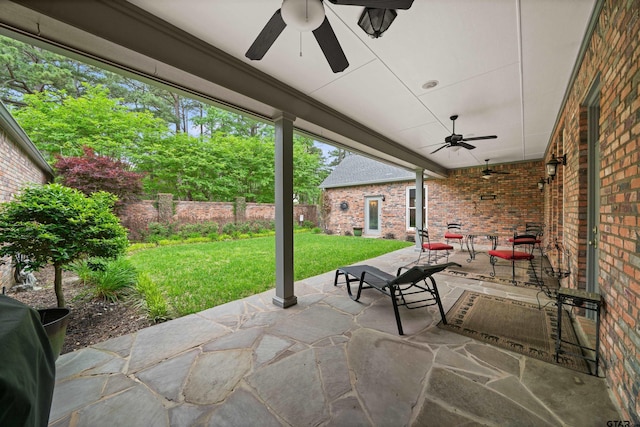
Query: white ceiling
(502,66)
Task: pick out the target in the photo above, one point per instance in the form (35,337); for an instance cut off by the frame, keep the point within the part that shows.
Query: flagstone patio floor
(327,361)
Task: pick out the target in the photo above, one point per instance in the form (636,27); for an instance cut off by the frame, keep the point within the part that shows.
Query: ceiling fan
(486,173)
(457,140)
(308,15)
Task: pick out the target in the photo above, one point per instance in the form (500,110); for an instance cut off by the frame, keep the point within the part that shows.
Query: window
(411,208)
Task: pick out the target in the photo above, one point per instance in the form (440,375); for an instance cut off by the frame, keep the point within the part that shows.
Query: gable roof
(359,170)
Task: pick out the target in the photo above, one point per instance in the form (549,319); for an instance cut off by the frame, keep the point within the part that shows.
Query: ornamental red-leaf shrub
(92,172)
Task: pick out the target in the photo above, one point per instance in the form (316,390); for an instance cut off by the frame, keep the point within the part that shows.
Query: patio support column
(284,210)
(419,205)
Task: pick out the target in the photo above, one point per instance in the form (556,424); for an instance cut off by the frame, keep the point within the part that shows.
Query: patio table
(491,235)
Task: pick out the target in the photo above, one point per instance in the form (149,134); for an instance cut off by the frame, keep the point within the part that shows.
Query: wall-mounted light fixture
(552,165)
(542,182)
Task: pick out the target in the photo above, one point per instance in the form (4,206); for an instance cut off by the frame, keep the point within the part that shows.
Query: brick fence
(138,215)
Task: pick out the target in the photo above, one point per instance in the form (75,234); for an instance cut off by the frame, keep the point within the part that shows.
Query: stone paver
(215,375)
(152,345)
(134,407)
(326,361)
(302,404)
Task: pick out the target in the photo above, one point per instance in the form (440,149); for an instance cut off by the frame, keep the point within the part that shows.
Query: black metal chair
(454,232)
(429,247)
(399,287)
(512,255)
(533,232)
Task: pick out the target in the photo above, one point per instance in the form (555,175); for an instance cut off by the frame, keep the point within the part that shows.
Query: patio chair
(454,232)
(429,246)
(512,255)
(532,236)
(399,287)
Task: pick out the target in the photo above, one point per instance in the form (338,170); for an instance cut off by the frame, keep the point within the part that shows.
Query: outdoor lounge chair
(398,287)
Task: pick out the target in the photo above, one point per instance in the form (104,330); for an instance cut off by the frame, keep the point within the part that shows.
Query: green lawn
(194,277)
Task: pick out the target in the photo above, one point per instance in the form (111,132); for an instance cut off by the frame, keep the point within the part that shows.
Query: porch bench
(398,287)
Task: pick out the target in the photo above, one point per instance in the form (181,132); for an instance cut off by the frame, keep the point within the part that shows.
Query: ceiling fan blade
(267,37)
(379,4)
(477,138)
(330,46)
(501,172)
(444,146)
(465,145)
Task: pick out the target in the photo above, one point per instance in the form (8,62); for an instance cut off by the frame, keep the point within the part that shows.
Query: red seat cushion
(509,254)
(453,236)
(526,240)
(437,246)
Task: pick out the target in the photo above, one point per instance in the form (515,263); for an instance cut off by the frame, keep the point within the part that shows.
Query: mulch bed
(93,320)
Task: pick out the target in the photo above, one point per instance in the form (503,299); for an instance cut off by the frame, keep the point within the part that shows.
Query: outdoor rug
(514,325)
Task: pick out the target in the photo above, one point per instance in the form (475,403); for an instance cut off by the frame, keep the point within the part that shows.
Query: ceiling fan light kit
(375,21)
(303,15)
(486,173)
(309,15)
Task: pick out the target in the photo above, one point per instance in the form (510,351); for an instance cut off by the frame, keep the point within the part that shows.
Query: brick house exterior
(598,125)
(457,198)
(610,68)
(20,164)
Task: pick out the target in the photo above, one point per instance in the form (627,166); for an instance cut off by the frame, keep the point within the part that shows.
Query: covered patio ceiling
(501,65)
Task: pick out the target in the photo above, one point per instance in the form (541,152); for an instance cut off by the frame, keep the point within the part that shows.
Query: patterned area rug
(514,325)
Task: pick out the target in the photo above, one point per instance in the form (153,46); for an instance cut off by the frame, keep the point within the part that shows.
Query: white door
(372,215)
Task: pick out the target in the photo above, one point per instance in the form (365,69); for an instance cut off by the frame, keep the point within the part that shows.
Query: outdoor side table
(582,299)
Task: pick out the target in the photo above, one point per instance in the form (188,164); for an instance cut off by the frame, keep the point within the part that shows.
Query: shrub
(59,225)
(111,278)
(151,298)
(316,230)
(139,246)
(91,173)
(229,228)
(118,278)
(200,229)
(157,231)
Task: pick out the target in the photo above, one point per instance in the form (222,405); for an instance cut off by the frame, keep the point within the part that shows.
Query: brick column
(240,210)
(165,208)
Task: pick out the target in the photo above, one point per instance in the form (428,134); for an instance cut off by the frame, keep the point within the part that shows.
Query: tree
(92,173)
(218,121)
(309,170)
(60,124)
(337,155)
(56,224)
(26,69)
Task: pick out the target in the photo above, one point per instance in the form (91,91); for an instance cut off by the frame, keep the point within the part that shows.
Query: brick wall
(16,171)
(136,216)
(613,54)
(458,197)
